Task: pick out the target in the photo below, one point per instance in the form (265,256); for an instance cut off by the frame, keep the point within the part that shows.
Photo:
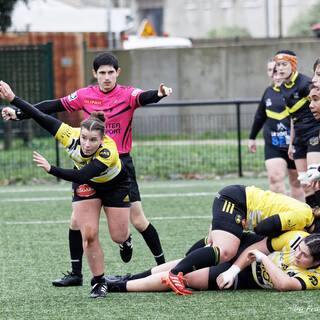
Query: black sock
(76,250)
(140,275)
(151,237)
(312,200)
(98,279)
(200,258)
(199,244)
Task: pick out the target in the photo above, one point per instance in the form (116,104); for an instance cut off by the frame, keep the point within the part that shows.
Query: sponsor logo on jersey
(105,153)
(93,101)
(85,190)
(281,127)
(314,141)
(313,280)
(72,96)
(296,95)
(135,92)
(268,102)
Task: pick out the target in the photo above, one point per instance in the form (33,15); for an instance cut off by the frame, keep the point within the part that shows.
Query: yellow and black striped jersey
(293,214)
(283,256)
(107,153)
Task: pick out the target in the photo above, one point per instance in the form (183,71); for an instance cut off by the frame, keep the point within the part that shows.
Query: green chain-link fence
(29,71)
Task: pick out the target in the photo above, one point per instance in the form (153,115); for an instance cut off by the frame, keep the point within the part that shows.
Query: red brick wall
(67,46)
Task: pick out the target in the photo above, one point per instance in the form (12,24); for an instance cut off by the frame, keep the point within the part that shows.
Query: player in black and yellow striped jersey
(288,262)
(99,180)
(304,145)
(238,208)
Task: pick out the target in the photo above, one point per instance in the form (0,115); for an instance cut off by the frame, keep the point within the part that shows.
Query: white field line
(159,195)
(191,194)
(4,190)
(68,221)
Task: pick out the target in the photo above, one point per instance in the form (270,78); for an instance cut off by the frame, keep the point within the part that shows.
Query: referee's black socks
(198,259)
(151,237)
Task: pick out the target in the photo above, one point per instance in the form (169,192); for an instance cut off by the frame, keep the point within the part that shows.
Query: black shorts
(300,150)
(271,152)
(244,280)
(134,193)
(229,210)
(116,195)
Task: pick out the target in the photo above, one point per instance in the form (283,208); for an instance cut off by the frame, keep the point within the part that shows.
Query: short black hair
(291,53)
(105,59)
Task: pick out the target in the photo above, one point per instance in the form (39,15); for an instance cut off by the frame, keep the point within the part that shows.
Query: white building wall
(195,18)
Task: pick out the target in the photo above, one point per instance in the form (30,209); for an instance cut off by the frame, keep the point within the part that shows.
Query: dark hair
(316,63)
(95,122)
(312,241)
(291,53)
(105,59)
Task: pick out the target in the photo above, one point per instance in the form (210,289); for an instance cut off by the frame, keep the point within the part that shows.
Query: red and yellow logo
(85,190)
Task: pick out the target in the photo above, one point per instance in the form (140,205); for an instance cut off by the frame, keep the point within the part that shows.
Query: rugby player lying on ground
(290,262)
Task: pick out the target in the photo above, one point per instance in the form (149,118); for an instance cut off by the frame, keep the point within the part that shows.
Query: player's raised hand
(5,92)
(164,91)
(8,113)
(41,161)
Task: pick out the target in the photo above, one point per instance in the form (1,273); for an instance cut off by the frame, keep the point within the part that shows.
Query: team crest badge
(104,153)
(314,141)
(238,219)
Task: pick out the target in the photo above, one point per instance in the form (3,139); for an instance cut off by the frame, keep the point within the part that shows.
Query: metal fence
(192,139)
(29,70)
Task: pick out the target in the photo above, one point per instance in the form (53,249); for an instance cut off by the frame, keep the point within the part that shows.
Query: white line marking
(159,195)
(68,221)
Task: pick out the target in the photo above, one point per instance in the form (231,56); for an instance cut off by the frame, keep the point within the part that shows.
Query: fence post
(239,139)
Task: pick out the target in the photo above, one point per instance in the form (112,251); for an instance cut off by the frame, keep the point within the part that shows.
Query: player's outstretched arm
(47,122)
(164,91)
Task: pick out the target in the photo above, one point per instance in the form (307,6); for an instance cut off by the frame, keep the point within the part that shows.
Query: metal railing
(182,138)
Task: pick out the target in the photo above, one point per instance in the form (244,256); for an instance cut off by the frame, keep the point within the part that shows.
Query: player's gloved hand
(257,254)
(225,280)
(303,178)
(313,172)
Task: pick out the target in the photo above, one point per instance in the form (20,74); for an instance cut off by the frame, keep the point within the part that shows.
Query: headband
(288,57)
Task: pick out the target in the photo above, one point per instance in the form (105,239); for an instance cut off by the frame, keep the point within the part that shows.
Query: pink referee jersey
(118,105)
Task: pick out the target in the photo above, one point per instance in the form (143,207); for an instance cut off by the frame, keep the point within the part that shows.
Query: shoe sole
(176,290)
(66,285)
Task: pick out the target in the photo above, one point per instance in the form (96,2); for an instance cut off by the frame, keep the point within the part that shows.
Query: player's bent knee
(227,254)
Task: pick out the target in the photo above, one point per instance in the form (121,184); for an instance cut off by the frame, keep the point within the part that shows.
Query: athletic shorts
(244,280)
(134,188)
(311,145)
(229,210)
(271,152)
(116,195)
